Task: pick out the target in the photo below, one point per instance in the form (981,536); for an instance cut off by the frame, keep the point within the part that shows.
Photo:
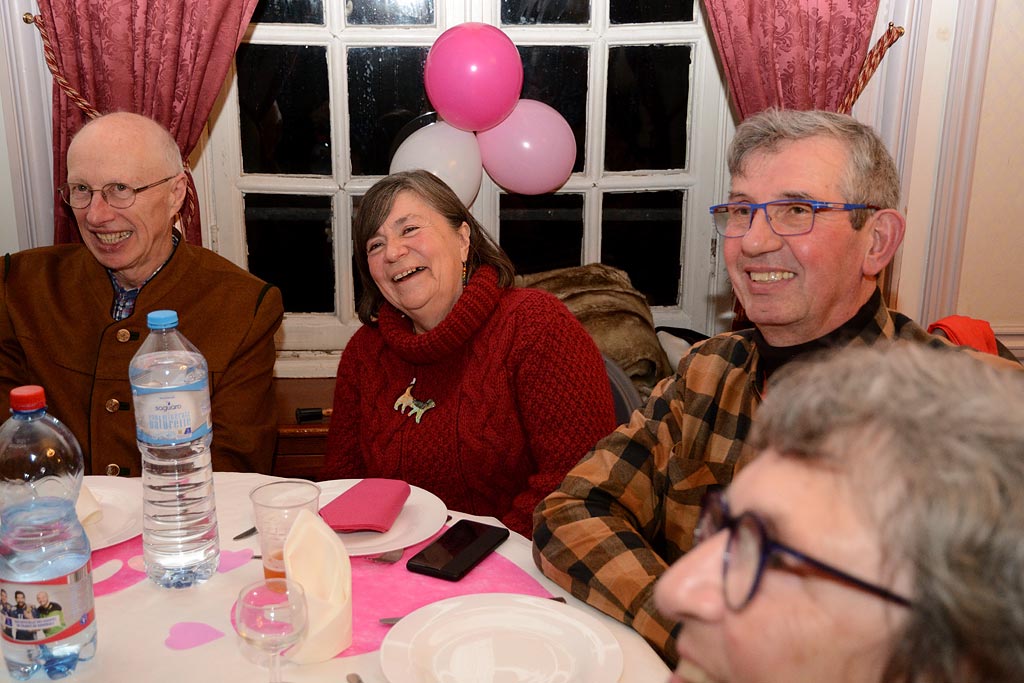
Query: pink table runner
(379,590)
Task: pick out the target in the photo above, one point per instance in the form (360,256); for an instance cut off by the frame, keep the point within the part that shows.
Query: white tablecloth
(135,622)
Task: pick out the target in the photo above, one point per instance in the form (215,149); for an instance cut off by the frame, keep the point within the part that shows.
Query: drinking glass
(271,616)
(276,506)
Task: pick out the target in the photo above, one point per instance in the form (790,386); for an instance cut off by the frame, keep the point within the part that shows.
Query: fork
(390,557)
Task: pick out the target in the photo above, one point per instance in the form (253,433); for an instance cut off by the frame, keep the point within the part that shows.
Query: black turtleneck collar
(774,357)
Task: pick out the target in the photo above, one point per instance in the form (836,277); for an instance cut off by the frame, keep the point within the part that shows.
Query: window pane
(649,11)
(648,93)
(389,12)
(290,245)
(385,92)
(557,76)
(641,233)
(289,12)
(544,12)
(542,232)
(284,109)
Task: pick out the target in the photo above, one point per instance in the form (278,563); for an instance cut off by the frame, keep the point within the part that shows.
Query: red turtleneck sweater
(519,395)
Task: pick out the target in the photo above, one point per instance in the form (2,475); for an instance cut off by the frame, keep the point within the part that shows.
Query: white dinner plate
(120,499)
(421,517)
(500,638)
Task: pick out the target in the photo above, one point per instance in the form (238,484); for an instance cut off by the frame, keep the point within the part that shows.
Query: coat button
(113,470)
(123,335)
(112,405)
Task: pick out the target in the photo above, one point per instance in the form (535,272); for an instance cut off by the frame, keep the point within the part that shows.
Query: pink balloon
(530,152)
(473,76)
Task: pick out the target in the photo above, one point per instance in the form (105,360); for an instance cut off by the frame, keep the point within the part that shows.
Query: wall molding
(952,194)
(1013,337)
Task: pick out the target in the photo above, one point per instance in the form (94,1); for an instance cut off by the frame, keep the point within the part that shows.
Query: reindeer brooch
(416,408)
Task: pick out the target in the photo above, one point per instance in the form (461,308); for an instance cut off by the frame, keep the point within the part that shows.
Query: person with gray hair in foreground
(877,537)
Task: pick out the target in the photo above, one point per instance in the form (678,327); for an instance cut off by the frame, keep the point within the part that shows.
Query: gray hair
(871,176)
(933,439)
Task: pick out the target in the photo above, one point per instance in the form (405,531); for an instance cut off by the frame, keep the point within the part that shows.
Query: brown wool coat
(56,330)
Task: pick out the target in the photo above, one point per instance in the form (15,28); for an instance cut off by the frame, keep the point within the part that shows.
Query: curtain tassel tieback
(871,62)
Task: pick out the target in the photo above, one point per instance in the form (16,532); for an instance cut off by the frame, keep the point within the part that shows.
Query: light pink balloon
(530,152)
(451,154)
(473,76)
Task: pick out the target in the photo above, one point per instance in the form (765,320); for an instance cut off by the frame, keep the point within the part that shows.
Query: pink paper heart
(233,559)
(188,634)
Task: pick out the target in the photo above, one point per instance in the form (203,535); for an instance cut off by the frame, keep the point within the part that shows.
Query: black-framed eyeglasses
(749,549)
(786,217)
(118,195)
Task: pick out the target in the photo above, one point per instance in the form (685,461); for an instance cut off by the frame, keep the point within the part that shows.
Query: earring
(465,275)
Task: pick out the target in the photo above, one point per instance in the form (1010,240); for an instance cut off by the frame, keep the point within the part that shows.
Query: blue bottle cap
(162,320)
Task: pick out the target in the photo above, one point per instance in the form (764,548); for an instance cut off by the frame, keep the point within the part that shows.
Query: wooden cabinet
(301,446)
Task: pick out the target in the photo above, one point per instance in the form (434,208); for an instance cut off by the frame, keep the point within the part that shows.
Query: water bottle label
(165,417)
(41,612)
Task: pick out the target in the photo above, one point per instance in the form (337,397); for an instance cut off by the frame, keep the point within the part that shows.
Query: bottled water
(174,430)
(49,623)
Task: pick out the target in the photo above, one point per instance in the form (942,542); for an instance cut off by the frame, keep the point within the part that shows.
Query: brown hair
(374,208)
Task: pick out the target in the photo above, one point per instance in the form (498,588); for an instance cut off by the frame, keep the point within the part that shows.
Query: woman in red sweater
(477,391)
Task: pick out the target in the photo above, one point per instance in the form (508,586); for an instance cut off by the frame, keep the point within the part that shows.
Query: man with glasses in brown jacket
(72,316)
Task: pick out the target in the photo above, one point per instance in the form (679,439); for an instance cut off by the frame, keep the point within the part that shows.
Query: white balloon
(451,154)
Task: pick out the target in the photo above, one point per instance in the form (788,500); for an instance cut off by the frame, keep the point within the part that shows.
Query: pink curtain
(793,54)
(166,59)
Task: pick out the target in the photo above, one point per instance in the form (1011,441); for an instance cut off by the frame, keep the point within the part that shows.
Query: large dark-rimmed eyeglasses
(786,217)
(749,549)
(118,195)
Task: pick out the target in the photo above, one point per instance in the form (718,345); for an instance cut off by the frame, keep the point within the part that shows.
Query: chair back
(627,398)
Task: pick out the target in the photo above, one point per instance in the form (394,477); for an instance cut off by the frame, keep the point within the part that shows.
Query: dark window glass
(291,245)
(284,109)
(648,94)
(289,12)
(557,76)
(389,12)
(649,11)
(385,92)
(542,232)
(641,233)
(545,12)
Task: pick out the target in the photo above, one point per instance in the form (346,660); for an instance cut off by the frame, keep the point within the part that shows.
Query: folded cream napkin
(315,557)
(370,505)
(87,507)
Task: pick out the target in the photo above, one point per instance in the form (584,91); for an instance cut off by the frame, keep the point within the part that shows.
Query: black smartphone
(457,550)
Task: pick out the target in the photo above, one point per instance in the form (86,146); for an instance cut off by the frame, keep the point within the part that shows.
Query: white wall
(992,280)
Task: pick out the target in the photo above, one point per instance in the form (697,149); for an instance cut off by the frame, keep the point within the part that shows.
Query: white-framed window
(322,92)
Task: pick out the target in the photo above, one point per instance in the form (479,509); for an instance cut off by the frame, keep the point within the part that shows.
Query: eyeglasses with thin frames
(749,550)
(117,195)
(786,217)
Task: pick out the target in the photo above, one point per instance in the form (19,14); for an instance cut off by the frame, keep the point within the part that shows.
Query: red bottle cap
(27,398)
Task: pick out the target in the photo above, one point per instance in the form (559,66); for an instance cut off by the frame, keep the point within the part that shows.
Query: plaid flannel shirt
(628,509)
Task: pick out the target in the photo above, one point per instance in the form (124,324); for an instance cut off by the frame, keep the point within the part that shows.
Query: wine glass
(270,615)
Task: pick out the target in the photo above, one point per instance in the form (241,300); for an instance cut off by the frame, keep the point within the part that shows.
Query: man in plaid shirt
(810,224)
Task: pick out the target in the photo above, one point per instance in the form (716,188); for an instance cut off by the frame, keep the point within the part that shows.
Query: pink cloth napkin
(370,505)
